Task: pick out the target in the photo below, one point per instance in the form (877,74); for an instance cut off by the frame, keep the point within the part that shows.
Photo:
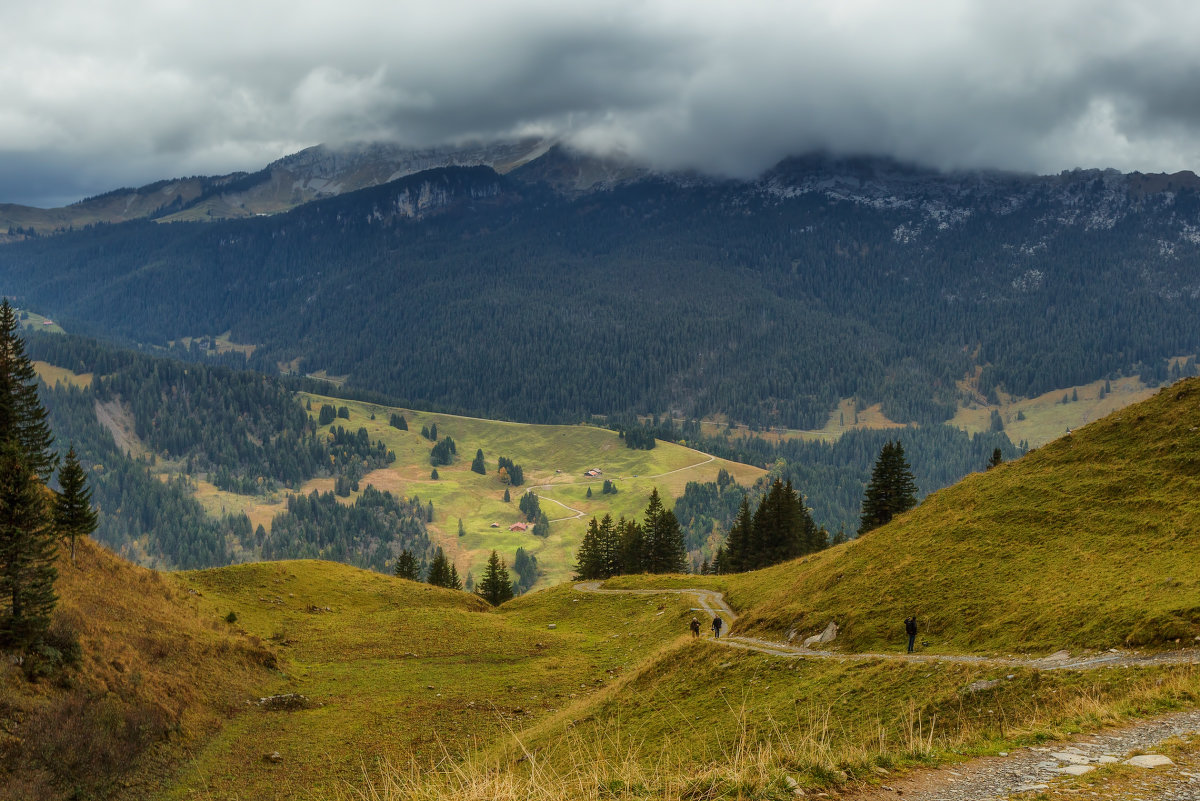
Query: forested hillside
(464,290)
(245,430)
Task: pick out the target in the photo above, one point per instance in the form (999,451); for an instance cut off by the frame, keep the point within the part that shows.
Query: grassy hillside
(1087,542)
(155,680)
(554,459)
(395,671)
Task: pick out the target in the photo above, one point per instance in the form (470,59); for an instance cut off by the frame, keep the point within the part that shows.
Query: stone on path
(1149,761)
(1070,758)
(825,636)
(1076,770)
(1057,656)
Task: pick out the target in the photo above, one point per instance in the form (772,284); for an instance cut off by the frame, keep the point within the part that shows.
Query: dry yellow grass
(157,678)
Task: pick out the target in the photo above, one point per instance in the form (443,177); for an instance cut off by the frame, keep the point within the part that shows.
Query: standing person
(716,624)
(695,626)
(910,628)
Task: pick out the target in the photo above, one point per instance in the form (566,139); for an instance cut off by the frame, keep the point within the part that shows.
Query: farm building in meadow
(519,527)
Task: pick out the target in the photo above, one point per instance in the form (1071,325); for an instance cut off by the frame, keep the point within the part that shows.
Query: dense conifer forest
(242,430)
(654,297)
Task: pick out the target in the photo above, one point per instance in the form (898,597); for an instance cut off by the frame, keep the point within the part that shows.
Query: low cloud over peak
(107,94)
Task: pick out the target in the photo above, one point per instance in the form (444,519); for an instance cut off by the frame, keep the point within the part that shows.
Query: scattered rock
(1076,770)
(274,756)
(825,636)
(981,685)
(1057,656)
(552,626)
(1029,788)
(285,702)
(1149,761)
(1070,758)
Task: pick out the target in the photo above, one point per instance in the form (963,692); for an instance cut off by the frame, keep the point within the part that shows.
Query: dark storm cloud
(101,94)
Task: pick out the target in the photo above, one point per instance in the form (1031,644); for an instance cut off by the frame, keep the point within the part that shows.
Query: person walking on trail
(910,628)
(695,626)
(716,624)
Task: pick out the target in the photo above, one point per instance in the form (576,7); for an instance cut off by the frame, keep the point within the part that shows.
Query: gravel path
(1027,771)
(1037,769)
(713,603)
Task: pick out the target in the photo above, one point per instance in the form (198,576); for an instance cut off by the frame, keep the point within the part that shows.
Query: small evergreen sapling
(73,513)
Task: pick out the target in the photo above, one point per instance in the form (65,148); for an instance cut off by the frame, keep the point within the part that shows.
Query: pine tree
(495,587)
(892,489)
(589,559)
(737,556)
(28,537)
(27,548)
(455,581)
(633,546)
(73,513)
(407,567)
(507,496)
(996,460)
(440,570)
(22,417)
(462,532)
(665,550)
(610,548)
(477,465)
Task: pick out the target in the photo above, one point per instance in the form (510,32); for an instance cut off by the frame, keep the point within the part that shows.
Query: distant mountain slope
(497,295)
(313,173)
(1088,542)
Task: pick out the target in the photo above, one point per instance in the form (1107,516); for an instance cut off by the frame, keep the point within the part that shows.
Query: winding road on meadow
(1026,770)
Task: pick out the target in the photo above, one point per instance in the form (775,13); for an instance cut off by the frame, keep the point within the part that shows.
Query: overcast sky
(105,93)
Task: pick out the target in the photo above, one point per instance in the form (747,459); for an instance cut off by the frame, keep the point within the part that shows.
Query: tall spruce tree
(495,586)
(633,546)
(610,548)
(737,555)
(892,489)
(73,513)
(22,418)
(407,567)
(477,465)
(28,537)
(588,559)
(665,549)
(439,570)
(27,550)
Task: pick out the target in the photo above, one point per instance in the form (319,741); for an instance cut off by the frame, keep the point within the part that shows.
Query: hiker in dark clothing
(695,627)
(910,628)
(717,623)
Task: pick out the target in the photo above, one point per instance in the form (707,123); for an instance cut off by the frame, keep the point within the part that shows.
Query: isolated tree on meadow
(407,567)
(442,573)
(892,489)
(495,586)
(477,466)
(73,513)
